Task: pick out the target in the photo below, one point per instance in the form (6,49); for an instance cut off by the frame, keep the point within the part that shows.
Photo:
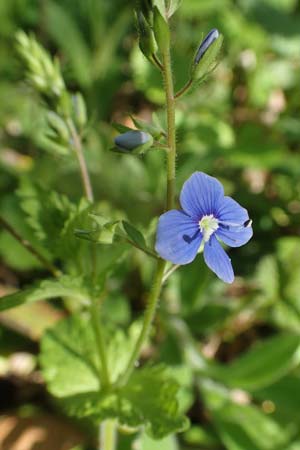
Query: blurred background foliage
(235,350)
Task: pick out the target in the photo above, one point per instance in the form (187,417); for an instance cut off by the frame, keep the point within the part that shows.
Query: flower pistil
(208,225)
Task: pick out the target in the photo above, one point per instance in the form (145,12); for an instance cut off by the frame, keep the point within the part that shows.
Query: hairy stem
(47,264)
(148,319)
(77,146)
(161,265)
(108,435)
(171,131)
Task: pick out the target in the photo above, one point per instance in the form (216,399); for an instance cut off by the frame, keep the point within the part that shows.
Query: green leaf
(53,218)
(73,339)
(264,364)
(242,426)
(154,130)
(151,393)
(148,399)
(65,286)
(121,128)
(70,367)
(285,394)
(134,234)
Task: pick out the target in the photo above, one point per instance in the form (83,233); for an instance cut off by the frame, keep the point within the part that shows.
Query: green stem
(184,89)
(103,370)
(147,322)
(77,146)
(171,130)
(108,435)
(171,172)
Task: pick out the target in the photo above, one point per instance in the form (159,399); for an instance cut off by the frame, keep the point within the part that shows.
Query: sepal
(207,55)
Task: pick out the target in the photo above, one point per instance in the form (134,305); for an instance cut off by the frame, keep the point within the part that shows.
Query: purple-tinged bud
(133,141)
(205,44)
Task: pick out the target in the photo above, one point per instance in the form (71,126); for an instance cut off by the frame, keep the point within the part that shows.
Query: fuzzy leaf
(70,366)
(148,399)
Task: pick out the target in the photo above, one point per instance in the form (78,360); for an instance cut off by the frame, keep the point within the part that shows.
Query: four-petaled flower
(207,216)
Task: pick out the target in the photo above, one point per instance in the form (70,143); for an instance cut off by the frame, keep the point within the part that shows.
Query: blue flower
(207,217)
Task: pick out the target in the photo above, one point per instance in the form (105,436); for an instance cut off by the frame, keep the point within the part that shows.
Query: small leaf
(65,286)
(134,234)
(121,128)
(154,130)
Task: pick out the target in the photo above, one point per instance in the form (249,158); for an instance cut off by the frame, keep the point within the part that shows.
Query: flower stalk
(171,173)
(77,147)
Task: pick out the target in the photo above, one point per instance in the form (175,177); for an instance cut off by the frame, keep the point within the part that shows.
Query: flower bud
(133,141)
(58,125)
(206,54)
(207,41)
(147,41)
(79,107)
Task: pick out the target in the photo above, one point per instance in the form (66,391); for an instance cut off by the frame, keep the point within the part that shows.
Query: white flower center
(208,225)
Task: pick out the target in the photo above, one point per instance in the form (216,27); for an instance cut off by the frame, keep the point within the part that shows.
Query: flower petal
(178,237)
(235,237)
(233,229)
(217,260)
(231,211)
(201,195)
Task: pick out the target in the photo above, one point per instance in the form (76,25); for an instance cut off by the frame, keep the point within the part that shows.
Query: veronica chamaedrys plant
(207,217)
(91,365)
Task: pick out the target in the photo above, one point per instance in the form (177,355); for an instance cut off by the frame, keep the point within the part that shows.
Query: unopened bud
(147,41)
(133,142)
(58,125)
(79,106)
(207,41)
(206,54)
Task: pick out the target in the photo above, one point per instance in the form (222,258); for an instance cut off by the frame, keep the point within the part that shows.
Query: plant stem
(171,172)
(169,272)
(49,266)
(77,146)
(171,130)
(147,321)
(157,62)
(103,371)
(108,435)
(184,89)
